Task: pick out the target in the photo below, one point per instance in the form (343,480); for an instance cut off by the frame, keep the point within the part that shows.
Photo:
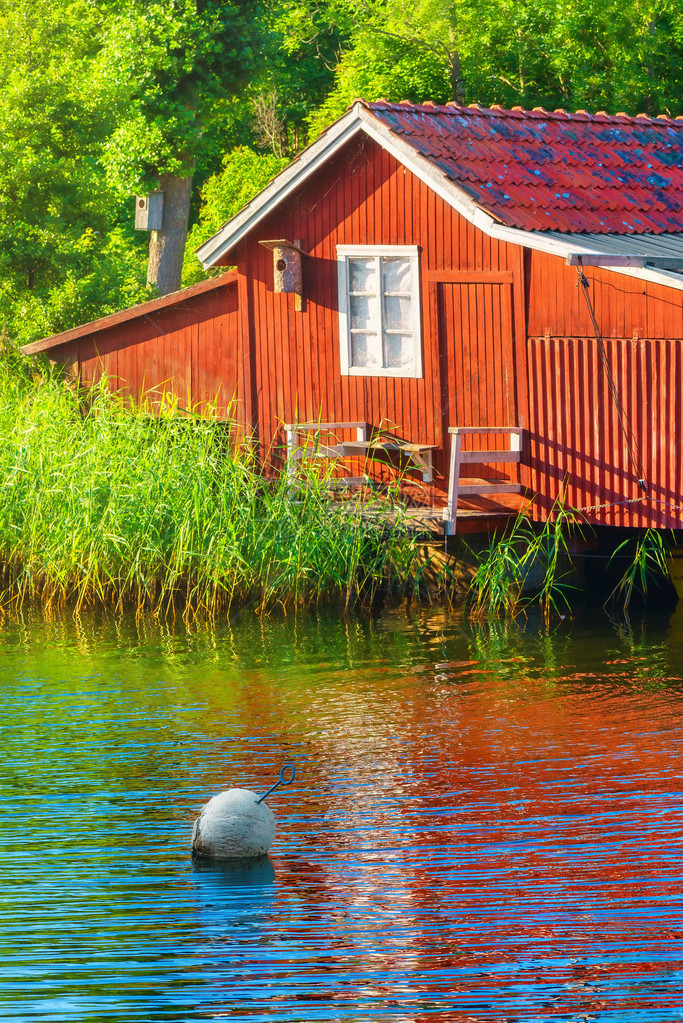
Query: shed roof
(133,312)
(553,171)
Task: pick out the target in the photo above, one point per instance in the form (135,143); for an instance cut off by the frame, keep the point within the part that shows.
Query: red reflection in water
(477,841)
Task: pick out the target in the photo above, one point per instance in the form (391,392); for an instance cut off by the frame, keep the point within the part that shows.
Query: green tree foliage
(184,76)
(382,68)
(172,71)
(304,45)
(615,55)
(243,175)
(171,68)
(62,253)
(99,99)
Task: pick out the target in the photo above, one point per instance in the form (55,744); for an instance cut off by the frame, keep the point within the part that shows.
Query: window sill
(357,371)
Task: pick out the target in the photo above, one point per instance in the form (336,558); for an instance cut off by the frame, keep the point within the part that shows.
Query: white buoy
(234,826)
(237,824)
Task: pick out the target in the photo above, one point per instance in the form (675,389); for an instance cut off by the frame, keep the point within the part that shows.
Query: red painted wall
(365,196)
(574,445)
(190,350)
(576,442)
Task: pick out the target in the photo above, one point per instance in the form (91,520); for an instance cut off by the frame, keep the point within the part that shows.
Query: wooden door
(476,344)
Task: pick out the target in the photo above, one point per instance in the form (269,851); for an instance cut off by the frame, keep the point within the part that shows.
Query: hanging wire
(626,428)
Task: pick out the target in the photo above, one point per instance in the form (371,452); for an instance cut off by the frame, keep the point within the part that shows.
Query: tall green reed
(105,502)
(531,564)
(646,567)
(526,564)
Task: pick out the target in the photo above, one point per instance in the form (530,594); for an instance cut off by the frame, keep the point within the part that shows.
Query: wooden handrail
(458,457)
(484,429)
(312,427)
(418,456)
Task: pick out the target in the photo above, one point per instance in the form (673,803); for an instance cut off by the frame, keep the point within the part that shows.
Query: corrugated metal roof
(553,171)
(658,247)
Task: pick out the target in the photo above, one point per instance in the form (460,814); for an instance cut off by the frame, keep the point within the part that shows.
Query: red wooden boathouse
(439,292)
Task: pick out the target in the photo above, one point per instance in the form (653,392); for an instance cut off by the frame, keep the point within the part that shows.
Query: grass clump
(104,502)
(531,565)
(646,565)
(526,565)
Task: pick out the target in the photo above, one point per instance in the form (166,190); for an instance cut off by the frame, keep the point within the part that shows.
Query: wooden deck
(437,507)
(427,517)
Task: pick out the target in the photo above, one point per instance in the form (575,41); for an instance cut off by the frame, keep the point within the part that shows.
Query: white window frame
(344,254)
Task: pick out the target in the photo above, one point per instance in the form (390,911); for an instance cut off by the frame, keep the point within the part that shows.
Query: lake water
(486,824)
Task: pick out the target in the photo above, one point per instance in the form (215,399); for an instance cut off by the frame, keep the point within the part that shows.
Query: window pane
(364,313)
(398,351)
(397,275)
(396,313)
(366,351)
(363,275)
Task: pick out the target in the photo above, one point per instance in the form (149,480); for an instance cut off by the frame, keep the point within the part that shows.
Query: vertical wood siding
(477,358)
(191,351)
(622,304)
(367,197)
(577,447)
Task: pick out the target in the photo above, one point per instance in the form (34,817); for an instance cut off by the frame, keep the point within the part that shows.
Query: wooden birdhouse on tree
(149,211)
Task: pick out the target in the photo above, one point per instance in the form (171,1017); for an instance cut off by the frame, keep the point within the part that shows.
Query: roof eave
(131,313)
(357,119)
(554,246)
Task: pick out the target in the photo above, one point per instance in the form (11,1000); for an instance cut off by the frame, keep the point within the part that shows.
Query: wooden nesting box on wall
(287,267)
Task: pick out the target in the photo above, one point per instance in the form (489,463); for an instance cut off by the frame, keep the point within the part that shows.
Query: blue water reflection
(233,893)
(486,823)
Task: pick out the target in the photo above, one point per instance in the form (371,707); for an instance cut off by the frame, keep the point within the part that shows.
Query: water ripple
(487,824)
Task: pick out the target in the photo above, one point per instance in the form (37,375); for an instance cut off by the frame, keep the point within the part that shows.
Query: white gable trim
(425,171)
(358,119)
(279,188)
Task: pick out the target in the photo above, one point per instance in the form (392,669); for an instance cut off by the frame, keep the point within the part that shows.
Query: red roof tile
(542,170)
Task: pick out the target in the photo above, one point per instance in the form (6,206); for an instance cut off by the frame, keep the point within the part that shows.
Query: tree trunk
(167,246)
(455,75)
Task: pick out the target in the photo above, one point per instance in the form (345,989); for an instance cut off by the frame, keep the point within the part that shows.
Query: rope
(611,504)
(626,427)
(632,500)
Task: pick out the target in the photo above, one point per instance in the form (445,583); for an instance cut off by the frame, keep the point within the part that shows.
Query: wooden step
(471,487)
(468,457)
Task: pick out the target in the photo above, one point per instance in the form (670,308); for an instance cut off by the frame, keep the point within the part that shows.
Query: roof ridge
(516,112)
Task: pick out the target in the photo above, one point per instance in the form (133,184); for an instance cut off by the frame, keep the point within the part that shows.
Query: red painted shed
(439,295)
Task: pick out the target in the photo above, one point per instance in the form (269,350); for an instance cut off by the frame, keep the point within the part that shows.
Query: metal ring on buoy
(281,781)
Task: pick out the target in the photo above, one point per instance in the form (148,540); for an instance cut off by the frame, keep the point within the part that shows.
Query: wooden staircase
(459,486)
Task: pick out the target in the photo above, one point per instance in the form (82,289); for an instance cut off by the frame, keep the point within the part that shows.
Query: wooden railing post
(451,510)
(290,436)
